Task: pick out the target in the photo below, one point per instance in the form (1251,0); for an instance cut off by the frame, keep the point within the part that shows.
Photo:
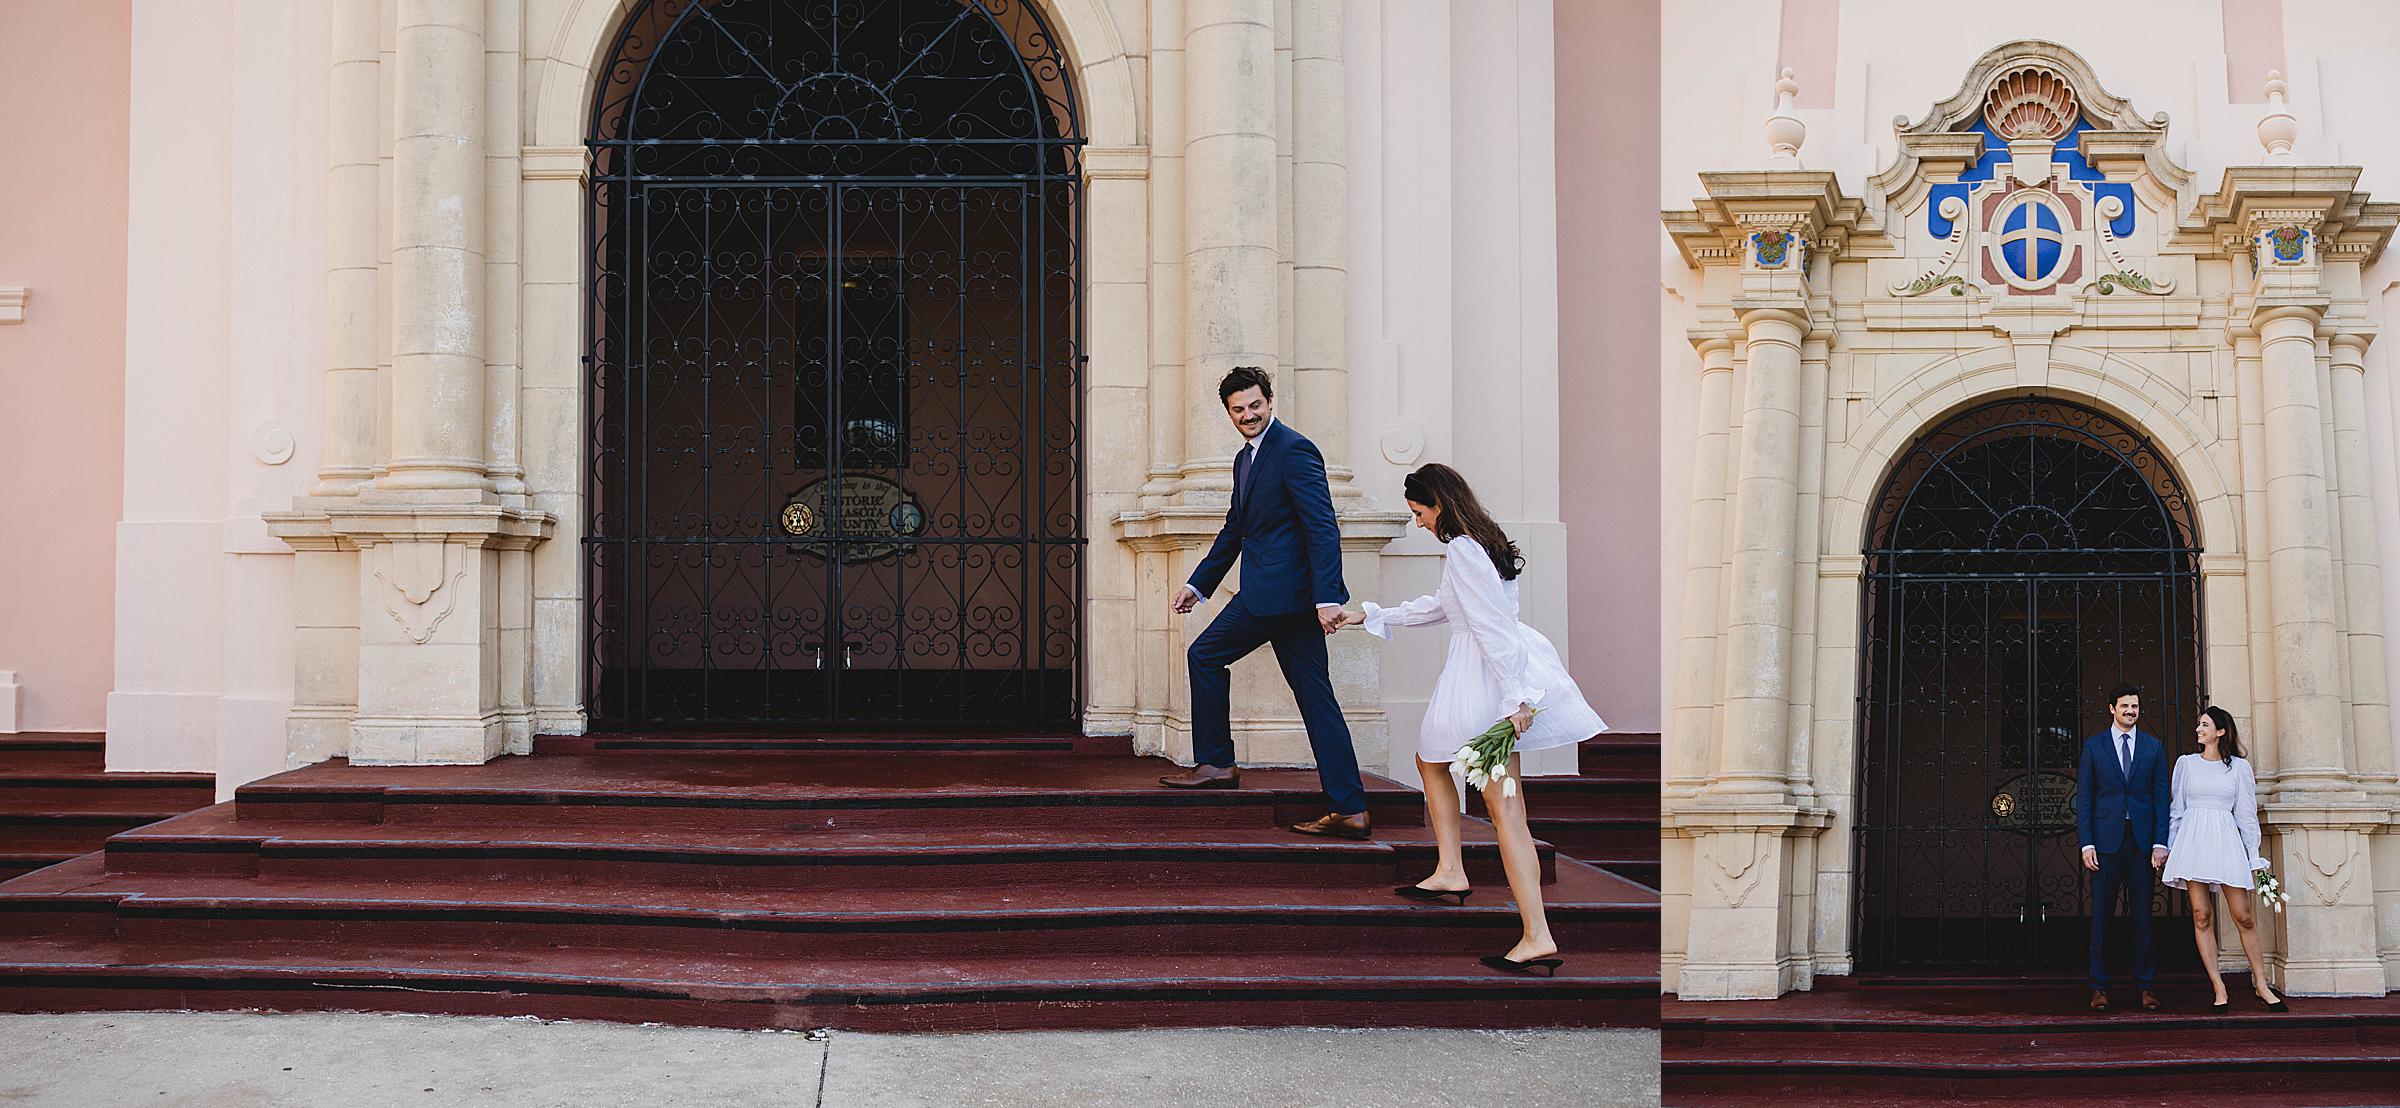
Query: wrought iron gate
(2025,558)
(834,366)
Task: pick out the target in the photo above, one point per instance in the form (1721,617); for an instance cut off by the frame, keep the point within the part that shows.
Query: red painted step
(1587,909)
(53,750)
(1042,889)
(1606,814)
(1165,989)
(17,862)
(707,742)
(69,790)
(1855,1041)
(42,828)
(1631,754)
(57,801)
(213,841)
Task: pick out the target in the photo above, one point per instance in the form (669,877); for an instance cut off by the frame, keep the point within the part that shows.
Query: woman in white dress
(1497,668)
(2212,840)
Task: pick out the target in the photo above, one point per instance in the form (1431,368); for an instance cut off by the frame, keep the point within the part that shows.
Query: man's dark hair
(1245,377)
(2124,689)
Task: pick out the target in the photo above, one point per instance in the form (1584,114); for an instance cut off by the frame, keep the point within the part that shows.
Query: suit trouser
(2127,867)
(1299,643)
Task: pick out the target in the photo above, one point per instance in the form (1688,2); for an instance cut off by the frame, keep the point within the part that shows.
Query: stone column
(1751,853)
(1320,222)
(444,597)
(503,363)
(1165,261)
(2322,820)
(1765,522)
(1747,836)
(2370,696)
(1227,260)
(1696,684)
(2312,725)
(438,246)
(325,569)
(1230,256)
(352,103)
(2298,234)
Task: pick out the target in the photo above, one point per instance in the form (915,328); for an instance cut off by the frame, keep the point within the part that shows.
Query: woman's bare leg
(2204,933)
(2237,905)
(1524,866)
(1441,810)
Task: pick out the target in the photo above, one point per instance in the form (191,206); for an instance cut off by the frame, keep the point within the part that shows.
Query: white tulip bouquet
(1484,759)
(2270,890)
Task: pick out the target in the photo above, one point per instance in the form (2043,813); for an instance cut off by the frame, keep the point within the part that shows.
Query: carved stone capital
(1723,227)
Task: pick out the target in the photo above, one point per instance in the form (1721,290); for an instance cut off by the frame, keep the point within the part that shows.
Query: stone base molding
(1166,543)
(1749,908)
(2324,855)
(443,603)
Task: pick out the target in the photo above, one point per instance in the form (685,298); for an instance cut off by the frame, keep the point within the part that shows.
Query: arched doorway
(835,368)
(2024,558)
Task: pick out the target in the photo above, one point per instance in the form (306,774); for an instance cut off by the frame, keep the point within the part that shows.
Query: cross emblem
(2032,248)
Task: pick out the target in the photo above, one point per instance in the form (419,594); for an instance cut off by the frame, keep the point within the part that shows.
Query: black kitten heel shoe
(1506,964)
(1415,892)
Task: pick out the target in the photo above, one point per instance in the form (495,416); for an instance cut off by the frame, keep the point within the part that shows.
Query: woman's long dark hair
(1438,486)
(2229,744)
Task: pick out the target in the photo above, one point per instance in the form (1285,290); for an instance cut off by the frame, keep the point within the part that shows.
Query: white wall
(223,344)
(1454,297)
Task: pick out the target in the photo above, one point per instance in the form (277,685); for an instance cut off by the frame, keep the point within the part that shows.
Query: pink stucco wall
(1608,335)
(65,77)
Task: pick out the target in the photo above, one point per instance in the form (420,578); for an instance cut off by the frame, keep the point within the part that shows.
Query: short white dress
(1495,662)
(2212,836)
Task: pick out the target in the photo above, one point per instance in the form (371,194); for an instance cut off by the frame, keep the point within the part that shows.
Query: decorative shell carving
(2030,103)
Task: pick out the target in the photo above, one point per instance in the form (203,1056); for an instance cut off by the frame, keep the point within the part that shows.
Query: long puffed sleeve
(2175,813)
(1484,608)
(2245,811)
(1424,611)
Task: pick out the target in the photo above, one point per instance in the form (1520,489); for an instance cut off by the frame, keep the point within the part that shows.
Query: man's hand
(1186,599)
(2091,858)
(1329,617)
(2158,857)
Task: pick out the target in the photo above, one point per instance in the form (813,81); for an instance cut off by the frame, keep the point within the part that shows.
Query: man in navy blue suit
(1281,526)
(2122,803)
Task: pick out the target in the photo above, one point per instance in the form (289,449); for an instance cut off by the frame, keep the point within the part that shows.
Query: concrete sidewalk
(221,1060)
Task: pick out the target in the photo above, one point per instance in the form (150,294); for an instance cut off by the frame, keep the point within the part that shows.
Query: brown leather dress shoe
(1204,776)
(1336,825)
(2099,1001)
(2149,1001)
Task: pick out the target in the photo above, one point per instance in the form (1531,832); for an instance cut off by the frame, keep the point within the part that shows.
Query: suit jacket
(2105,797)
(1281,526)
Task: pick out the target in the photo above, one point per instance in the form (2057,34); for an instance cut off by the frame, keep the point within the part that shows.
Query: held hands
(2158,857)
(2091,858)
(1330,618)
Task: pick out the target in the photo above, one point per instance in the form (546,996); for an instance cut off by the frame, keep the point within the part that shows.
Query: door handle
(847,648)
(817,650)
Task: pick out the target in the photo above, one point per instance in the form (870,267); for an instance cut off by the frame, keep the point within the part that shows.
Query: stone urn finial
(2277,129)
(1785,132)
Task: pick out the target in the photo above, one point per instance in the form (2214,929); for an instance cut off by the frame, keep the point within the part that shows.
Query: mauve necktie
(2125,755)
(1241,473)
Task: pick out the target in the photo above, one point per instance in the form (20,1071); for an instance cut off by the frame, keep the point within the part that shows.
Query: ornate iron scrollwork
(2025,556)
(835,367)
